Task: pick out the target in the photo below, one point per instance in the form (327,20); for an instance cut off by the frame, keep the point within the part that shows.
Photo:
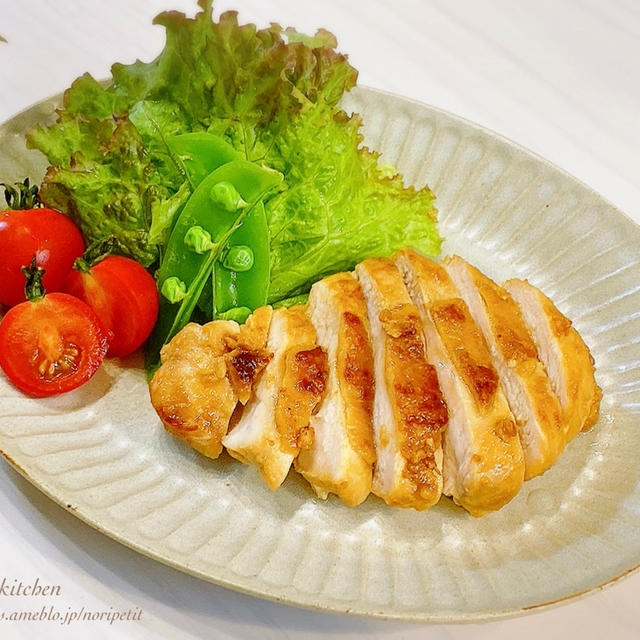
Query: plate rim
(301,603)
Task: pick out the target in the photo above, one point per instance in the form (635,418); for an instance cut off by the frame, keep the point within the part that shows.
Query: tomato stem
(22,195)
(98,251)
(80,264)
(33,289)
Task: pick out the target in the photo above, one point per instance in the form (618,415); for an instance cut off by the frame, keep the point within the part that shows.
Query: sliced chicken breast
(191,391)
(204,371)
(341,457)
(564,354)
(301,391)
(483,460)
(247,355)
(275,420)
(524,379)
(409,412)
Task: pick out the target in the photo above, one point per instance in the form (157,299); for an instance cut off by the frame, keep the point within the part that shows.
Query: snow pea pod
(196,155)
(200,153)
(234,284)
(209,219)
(241,278)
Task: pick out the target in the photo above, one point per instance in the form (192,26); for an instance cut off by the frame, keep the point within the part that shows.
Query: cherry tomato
(51,344)
(123,295)
(49,235)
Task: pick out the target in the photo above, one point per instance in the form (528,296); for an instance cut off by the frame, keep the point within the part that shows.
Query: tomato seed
(68,363)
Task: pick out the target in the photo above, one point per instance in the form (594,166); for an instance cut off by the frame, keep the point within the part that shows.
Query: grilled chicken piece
(563,353)
(409,412)
(483,461)
(248,356)
(341,457)
(526,384)
(204,370)
(190,391)
(274,423)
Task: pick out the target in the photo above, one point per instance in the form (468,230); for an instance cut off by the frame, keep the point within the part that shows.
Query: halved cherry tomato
(51,344)
(49,235)
(123,295)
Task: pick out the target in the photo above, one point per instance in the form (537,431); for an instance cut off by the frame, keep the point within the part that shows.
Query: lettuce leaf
(274,95)
(341,206)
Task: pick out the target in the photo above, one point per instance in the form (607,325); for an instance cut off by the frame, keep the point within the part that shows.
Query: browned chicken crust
(190,391)
(303,385)
(527,386)
(204,370)
(341,457)
(365,407)
(483,460)
(419,406)
(248,356)
(417,413)
(355,364)
(274,423)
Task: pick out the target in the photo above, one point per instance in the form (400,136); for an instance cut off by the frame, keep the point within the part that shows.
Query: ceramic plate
(102,453)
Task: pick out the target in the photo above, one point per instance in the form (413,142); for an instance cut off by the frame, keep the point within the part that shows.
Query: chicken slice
(409,412)
(483,461)
(341,457)
(525,382)
(564,354)
(275,421)
(191,391)
(301,391)
(247,355)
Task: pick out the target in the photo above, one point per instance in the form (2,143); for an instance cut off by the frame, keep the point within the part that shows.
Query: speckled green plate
(102,452)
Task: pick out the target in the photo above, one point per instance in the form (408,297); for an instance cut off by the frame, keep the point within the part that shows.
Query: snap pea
(239,257)
(241,278)
(196,155)
(248,253)
(208,221)
(200,153)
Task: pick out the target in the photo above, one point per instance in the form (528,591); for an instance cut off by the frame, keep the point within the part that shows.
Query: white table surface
(558,76)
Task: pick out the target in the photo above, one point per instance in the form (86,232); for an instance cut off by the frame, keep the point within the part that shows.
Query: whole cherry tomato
(124,296)
(47,234)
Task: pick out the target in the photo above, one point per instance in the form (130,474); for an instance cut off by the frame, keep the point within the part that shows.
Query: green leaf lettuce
(274,95)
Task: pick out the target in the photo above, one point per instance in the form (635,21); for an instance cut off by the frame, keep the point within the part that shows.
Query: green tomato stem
(22,195)
(33,288)
(99,250)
